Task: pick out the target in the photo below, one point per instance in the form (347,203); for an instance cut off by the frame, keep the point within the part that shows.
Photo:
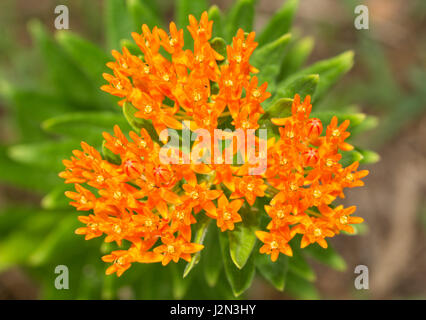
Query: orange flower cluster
(151,204)
(191,86)
(304,168)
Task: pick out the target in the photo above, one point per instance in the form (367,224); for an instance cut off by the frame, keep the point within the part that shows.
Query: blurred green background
(386,82)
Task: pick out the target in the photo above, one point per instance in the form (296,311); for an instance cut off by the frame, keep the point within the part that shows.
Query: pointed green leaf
(329,70)
(241,15)
(239,279)
(87,126)
(218,21)
(279,109)
(268,60)
(142,13)
(56,198)
(274,272)
(199,235)
(243,239)
(211,257)
(299,288)
(47,154)
(299,266)
(369,156)
(295,57)
(118,23)
(303,85)
(327,256)
(279,24)
(89,58)
(219,45)
(349,157)
(66,77)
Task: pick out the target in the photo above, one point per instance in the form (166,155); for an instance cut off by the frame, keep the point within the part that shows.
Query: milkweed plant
(206,155)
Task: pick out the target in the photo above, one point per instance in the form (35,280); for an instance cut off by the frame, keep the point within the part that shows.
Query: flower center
(100,179)
(274,245)
(83,200)
(116,228)
(317,232)
(317,193)
(343,219)
(227,216)
(117,195)
(195,195)
(250,187)
(170,249)
(148,109)
(335,133)
(280,214)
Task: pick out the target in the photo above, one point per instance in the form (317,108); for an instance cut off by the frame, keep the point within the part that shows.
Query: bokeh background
(387,81)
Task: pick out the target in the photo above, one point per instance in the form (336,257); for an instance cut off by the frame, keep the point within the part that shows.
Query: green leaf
(243,239)
(183,9)
(211,267)
(86,55)
(47,154)
(303,85)
(268,60)
(355,119)
(218,21)
(219,45)
(239,279)
(274,272)
(279,24)
(87,126)
(199,235)
(56,198)
(369,156)
(349,157)
(65,76)
(279,109)
(118,23)
(329,70)
(295,57)
(23,103)
(109,155)
(299,266)
(180,285)
(241,15)
(25,176)
(138,123)
(299,288)
(142,14)
(61,235)
(327,256)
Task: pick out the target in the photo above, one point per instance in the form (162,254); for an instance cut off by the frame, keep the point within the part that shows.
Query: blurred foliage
(56,104)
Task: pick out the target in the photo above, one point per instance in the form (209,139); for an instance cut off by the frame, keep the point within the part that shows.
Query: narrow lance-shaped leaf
(274,272)
(211,256)
(218,22)
(268,60)
(241,15)
(327,256)
(118,23)
(303,85)
(86,55)
(300,288)
(86,126)
(280,23)
(68,80)
(243,239)
(295,57)
(239,279)
(142,13)
(329,70)
(200,233)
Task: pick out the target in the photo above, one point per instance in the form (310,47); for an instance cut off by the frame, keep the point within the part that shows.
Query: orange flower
(226,214)
(176,248)
(141,198)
